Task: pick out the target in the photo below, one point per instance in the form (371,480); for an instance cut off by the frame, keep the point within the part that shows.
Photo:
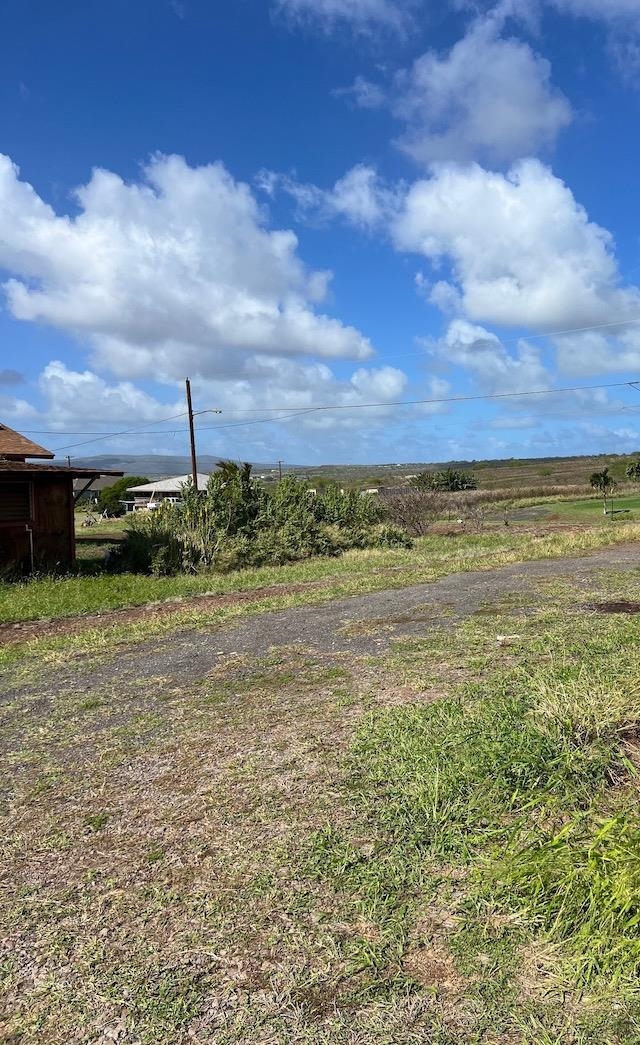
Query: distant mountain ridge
(154,465)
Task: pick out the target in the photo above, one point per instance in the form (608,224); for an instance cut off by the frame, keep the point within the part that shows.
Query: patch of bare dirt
(621,606)
(433,967)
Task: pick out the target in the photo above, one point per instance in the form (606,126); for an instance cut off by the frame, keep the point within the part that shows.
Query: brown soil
(434,967)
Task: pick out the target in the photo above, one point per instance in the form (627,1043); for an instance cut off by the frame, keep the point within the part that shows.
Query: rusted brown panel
(53,520)
(14,547)
(51,528)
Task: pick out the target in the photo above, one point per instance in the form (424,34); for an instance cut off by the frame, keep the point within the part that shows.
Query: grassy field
(490,474)
(591,509)
(437,843)
(312,581)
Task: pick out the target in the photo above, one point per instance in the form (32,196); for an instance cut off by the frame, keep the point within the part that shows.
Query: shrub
(415,510)
(109,499)
(236,522)
(449,479)
(632,472)
(387,536)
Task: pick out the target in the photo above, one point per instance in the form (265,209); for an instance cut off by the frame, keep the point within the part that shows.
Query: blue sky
(311,203)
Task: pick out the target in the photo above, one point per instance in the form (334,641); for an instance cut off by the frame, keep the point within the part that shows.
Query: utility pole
(280,470)
(192,436)
(68,461)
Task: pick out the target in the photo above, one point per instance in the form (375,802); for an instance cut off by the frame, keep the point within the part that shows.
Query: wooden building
(37,529)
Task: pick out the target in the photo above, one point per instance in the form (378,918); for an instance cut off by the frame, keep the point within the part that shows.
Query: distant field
(590,510)
(491,475)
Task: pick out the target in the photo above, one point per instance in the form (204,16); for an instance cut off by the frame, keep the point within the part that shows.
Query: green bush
(237,522)
(109,499)
(450,480)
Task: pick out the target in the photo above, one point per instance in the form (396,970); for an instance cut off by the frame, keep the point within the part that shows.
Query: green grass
(355,571)
(439,844)
(511,805)
(591,509)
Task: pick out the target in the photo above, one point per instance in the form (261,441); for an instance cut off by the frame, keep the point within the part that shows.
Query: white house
(150,495)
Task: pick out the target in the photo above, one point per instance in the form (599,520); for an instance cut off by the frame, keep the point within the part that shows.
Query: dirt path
(359,625)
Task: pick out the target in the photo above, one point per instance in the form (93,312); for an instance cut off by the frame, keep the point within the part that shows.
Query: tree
(632,472)
(449,480)
(109,499)
(605,483)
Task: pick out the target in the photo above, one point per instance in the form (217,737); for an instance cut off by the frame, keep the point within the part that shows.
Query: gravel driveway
(360,625)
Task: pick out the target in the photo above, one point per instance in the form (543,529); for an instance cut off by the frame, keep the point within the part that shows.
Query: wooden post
(192,436)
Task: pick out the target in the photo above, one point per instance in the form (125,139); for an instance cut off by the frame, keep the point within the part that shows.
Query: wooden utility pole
(192,436)
(280,470)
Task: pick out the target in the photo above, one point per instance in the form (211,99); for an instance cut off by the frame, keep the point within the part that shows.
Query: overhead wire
(112,435)
(345,406)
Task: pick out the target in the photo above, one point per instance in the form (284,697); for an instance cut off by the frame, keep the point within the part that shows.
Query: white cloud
(621,19)
(604,10)
(364,93)
(489,98)
(522,251)
(285,391)
(594,352)
(82,397)
(483,355)
(363,16)
(360,196)
(16,411)
(165,275)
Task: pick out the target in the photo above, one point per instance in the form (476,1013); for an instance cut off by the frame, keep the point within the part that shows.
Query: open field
(491,474)
(408,817)
(590,509)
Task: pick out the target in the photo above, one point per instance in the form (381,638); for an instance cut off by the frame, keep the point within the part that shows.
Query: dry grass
(311,582)
(151,852)
(187,863)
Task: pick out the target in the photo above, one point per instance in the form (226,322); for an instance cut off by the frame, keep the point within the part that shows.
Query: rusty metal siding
(51,526)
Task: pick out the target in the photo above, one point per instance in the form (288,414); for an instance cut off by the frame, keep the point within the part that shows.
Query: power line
(531,337)
(127,431)
(401,355)
(349,406)
(445,399)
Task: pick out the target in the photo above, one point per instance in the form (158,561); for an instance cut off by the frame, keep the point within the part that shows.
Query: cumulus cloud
(363,16)
(483,354)
(522,252)
(288,392)
(172,271)
(81,397)
(489,98)
(517,371)
(594,352)
(360,196)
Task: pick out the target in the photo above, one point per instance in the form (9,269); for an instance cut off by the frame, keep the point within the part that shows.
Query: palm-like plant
(605,483)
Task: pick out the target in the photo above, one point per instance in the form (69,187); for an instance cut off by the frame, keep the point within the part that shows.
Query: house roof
(102,481)
(16,446)
(172,485)
(31,468)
